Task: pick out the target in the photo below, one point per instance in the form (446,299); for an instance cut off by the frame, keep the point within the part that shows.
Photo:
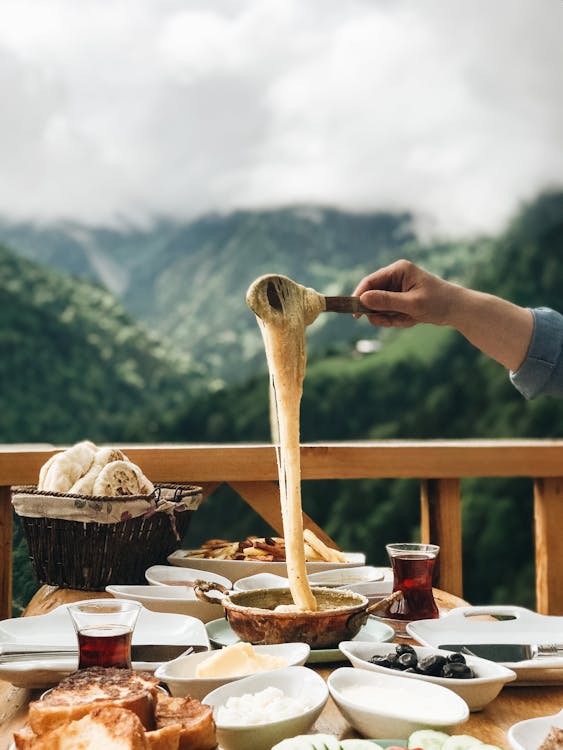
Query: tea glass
(413,565)
(104,628)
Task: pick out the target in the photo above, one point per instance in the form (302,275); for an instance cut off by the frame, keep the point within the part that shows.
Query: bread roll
(122,478)
(102,457)
(67,467)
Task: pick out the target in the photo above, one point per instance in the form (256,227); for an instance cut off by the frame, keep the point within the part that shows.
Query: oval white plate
(405,713)
(476,692)
(235,569)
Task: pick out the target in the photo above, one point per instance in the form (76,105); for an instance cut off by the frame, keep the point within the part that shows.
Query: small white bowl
(261,581)
(181,679)
(177,599)
(300,683)
(477,692)
(394,706)
(169,575)
(529,734)
(347,577)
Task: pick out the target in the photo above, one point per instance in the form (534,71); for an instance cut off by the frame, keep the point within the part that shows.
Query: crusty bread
(106,728)
(65,468)
(83,711)
(102,457)
(166,738)
(88,689)
(121,478)
(198,727)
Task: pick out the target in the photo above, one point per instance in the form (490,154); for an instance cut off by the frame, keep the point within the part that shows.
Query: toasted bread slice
(166,738)
(104,728)
(82,692)
(198,727)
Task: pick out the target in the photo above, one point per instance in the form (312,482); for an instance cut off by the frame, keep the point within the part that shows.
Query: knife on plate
(507,652)
(149,652)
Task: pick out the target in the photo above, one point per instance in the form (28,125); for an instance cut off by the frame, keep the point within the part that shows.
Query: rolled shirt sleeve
(542,370)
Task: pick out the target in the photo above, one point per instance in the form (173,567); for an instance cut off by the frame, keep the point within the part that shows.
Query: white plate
(235,569)
(56,629)
(170,575)
(367,580)
(221,634)
(175,599)
(466,625)
(529,734)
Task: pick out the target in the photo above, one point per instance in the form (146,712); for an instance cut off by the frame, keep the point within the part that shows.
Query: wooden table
(490,725)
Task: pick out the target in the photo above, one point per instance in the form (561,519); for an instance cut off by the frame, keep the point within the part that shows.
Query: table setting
(216,634)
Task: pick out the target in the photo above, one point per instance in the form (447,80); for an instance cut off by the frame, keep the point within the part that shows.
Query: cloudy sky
(124,109)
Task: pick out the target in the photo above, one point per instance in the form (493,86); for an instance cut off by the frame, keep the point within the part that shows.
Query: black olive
(404,648)
(456,657)
(393,660)
(457,670)
(407,660)
(432,665)
(380,661)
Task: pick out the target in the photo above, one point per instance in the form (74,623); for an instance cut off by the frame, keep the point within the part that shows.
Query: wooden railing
(251,471)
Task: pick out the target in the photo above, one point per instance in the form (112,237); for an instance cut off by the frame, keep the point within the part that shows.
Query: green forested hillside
(74,362)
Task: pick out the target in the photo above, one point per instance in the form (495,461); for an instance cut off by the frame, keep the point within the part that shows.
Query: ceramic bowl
(299,683)
(169,575)
(261,581)
(529,734)
(178,599)
(181,678)
(476,692)
(383,705)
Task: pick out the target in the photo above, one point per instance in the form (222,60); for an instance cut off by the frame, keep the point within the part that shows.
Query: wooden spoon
(331,304)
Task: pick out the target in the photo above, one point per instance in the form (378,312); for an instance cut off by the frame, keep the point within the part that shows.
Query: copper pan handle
(203,590)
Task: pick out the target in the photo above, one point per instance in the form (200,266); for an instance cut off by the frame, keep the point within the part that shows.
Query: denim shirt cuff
(544,353)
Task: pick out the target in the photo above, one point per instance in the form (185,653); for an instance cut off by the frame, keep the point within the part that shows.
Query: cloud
(138,108)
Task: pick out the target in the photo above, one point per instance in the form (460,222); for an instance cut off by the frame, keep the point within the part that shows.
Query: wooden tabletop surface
(490,725)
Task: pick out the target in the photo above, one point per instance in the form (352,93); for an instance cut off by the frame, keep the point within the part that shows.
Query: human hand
(402,295)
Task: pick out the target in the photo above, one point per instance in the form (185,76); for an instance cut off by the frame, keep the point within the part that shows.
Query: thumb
(384,301)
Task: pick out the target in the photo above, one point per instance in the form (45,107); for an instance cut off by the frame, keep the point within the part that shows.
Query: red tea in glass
(104,646)
(413,566)
(104,628)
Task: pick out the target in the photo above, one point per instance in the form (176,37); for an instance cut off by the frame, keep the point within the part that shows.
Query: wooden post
(548,517)
(6,535)
(440,523)
(264,497)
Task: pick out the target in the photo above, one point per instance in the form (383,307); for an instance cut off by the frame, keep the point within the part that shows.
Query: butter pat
(236,660)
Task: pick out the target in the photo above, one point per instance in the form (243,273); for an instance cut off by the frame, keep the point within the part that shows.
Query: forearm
(497,327)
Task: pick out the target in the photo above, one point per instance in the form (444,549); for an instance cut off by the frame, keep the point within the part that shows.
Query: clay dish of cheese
(227,665)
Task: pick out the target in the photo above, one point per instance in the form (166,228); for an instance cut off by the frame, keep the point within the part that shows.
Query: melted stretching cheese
(283,331)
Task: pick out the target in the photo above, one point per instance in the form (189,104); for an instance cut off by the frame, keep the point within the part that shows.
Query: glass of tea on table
(104,628)
(413,566)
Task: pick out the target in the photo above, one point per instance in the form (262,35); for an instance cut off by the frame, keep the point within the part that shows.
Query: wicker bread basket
(90,554)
